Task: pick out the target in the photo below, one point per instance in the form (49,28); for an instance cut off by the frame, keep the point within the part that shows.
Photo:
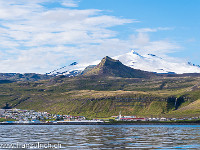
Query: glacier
(146,62)
(154,63)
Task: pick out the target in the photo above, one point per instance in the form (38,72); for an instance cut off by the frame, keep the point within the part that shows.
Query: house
(133,119)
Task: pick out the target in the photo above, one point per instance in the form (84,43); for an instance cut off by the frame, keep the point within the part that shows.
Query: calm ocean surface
(102,137)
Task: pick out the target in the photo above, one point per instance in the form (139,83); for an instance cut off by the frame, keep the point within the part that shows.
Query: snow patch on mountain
(74,69)
(154,63)
(71,70)
(147,62)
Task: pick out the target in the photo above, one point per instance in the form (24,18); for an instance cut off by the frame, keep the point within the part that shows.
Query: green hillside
(104,97)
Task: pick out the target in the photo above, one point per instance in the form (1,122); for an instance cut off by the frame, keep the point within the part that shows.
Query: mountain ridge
(112,67)
(12,77)
(147,62)
(153,63)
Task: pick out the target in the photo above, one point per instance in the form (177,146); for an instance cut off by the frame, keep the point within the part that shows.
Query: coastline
(100,123)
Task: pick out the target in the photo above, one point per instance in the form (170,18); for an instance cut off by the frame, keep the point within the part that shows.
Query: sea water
(85,137)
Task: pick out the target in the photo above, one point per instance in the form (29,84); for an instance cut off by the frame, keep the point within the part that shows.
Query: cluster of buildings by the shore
(31,116)
(134,118)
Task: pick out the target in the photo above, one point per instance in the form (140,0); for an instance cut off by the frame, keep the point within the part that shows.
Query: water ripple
(106,137)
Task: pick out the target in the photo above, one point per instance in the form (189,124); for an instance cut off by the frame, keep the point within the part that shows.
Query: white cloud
(70,3)
(143,30)
(142,42)
(36,38)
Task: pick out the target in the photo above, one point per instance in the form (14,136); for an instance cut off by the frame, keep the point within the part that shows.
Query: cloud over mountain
(38,36)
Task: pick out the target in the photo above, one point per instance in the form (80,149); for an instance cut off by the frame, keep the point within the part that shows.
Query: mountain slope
(145,62)
(191,109)
(154,63)
(73,69)
(111,67)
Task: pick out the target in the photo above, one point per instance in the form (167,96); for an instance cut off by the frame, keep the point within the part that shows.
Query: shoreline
(99,123)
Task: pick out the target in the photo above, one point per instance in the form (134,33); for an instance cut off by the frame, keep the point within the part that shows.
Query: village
(31,116)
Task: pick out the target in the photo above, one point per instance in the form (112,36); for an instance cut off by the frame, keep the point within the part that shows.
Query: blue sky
(182,16)
(42,35)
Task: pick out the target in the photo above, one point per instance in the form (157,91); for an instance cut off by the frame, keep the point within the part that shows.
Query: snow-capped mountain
(154,63)
(146,62)
(73,69)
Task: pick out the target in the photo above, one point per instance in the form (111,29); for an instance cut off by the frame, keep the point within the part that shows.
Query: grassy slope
(105,97)
(191,109)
